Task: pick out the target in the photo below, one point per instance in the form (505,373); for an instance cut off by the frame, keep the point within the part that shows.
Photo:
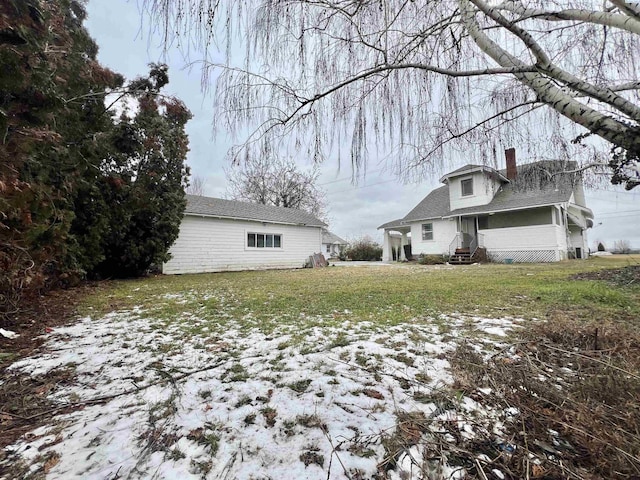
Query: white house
(220,235)
(331,244)
(534,212)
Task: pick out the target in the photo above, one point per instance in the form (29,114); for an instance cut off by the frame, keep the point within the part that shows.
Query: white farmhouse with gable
(332,244)
(534,212)
(221,235)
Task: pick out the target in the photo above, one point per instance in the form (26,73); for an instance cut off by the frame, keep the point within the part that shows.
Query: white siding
(578,239)
(215,245)
(484,188)
(334,250)
(444,231)
(532,238)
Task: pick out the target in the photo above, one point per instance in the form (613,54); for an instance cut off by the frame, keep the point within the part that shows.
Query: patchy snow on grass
(191,399)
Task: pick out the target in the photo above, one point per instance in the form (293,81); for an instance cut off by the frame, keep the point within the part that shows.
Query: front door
(468,230)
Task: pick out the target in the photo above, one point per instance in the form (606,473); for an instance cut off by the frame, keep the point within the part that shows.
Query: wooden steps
(461,259)
(462,256)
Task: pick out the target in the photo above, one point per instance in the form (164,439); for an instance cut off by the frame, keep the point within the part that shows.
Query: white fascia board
(503,210)
(587,211)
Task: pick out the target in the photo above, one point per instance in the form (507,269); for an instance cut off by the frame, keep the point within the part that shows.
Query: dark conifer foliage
(74,179)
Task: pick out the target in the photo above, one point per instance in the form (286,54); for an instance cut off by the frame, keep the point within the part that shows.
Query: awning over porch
(586,223)
(397,225)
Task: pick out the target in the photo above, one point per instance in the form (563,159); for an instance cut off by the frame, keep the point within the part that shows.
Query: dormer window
(466,186)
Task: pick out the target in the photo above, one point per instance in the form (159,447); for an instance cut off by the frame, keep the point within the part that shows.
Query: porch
(531,236)
(397,240)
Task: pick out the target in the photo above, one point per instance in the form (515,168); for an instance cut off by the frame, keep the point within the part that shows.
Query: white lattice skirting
(523,256)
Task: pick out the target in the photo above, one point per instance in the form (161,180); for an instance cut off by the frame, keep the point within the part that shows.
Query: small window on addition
(427,231)
(467,187)
(251,240)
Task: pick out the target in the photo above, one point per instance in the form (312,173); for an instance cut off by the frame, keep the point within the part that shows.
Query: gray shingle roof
(218,207)
(330,237)
(511,198)
(434,205)
(531,188)
(393,223)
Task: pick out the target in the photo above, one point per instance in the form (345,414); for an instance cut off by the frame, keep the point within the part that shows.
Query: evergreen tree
(79,192)
(51,116)
(146,196)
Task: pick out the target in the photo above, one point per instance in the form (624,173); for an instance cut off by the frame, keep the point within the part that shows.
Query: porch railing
(476,242)
(455,243)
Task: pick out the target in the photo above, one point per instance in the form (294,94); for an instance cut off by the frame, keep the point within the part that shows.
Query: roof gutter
(502,210)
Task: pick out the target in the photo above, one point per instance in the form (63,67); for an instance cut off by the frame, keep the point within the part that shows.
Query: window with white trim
(427,231)
(264,240)
(466,187)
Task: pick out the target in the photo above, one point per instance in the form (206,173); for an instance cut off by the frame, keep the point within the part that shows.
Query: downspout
(566,227)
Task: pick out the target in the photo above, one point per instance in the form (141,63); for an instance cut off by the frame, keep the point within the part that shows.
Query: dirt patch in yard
(620,277)
(36,316)
(23,398)
(24,402)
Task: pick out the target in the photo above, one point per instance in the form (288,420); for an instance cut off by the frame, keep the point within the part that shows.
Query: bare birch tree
(277,182)
(426,80)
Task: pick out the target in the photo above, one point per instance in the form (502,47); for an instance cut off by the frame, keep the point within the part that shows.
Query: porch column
(402,244)
(386,247)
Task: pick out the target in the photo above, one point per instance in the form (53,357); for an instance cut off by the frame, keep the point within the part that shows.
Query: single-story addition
(222,235)
(332,244)
(533,212)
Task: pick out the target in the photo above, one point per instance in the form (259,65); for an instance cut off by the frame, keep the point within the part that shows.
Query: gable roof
(434,205)
(233,209)
(393,223)
(532,187)
(332,238)
(471,168)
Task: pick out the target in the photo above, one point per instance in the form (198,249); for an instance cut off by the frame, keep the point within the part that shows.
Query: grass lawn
(389,372)
(385,295)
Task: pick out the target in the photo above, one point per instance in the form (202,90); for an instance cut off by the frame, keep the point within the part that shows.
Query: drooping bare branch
(402,78)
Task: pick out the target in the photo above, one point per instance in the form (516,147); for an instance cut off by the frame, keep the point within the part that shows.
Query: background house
(529,213)
(219,235)
(332,244)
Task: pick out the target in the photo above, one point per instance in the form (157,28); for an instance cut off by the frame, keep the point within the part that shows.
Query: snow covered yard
(365,373)
(194,398)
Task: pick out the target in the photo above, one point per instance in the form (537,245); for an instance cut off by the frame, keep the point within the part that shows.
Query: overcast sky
(354,210)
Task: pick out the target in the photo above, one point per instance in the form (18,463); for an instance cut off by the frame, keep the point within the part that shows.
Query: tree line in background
(83,191)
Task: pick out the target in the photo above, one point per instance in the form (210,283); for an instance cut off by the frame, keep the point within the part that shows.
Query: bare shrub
(622,246)
(575,387)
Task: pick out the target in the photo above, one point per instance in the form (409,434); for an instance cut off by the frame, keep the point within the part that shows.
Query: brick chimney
(512,169)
